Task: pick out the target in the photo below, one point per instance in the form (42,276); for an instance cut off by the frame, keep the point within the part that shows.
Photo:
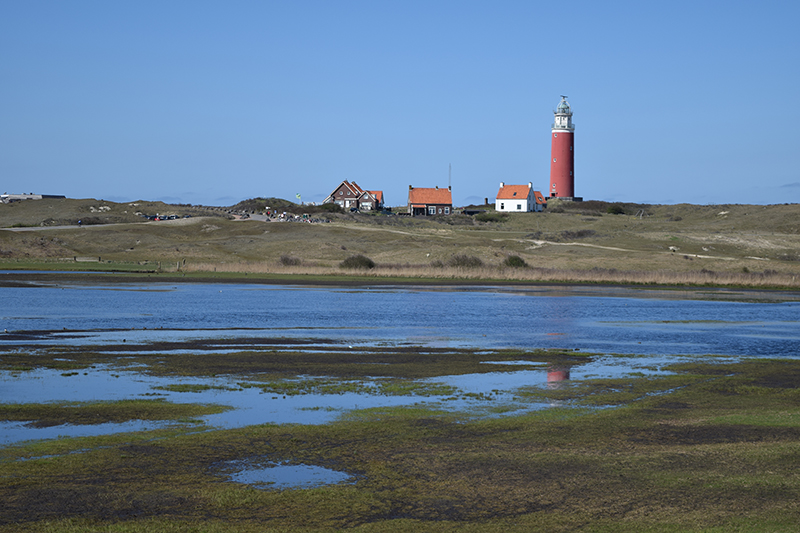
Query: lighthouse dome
(563,106)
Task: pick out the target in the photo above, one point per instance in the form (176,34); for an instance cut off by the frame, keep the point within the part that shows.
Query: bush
(615,209)
(437,264)
(578,234)
(330,208)
(357,262)
(464,261)
(288,260)
(515,261)
(491,217)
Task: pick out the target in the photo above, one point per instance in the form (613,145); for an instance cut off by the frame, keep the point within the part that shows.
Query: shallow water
(266,474)
(588,319)
(476,393)
(649,326)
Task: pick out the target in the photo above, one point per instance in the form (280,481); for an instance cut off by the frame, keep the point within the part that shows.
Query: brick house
(349,195)
(424,201)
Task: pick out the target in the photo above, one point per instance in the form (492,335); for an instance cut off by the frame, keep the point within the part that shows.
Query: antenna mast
(449,174)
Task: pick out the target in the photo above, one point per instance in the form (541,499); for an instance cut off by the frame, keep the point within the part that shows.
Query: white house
(518,198)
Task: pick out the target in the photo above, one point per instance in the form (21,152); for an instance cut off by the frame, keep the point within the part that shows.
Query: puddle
(270,475)
(13,432)
(481,394)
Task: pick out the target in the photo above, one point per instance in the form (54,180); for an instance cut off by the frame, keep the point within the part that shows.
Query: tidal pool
(265,474)
(250,405)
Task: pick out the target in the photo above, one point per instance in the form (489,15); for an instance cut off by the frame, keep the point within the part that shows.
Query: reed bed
(766,279)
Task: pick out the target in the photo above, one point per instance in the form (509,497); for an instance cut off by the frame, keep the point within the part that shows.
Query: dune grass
(579,242)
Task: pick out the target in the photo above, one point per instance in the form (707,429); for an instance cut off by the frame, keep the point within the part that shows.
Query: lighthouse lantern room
(562,154)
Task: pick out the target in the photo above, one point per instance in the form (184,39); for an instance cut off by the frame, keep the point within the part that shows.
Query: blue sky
(214,102)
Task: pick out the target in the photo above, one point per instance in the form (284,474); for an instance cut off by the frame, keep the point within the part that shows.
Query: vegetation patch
(189,387)
(515,261)
(49,414)
(329,386)
(464,261)
(357,262)
(710,453)
(491,216)
(288,260)
(710,446)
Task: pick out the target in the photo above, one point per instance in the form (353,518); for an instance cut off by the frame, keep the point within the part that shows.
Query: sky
(213,102)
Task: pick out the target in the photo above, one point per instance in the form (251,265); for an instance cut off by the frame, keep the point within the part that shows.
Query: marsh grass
(289,359)
(697,449)
(51,414)
(373,387)
(710,452)
(190,387)
(470,269)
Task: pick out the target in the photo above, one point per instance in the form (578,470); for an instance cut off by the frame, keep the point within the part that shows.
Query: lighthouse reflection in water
(557,376)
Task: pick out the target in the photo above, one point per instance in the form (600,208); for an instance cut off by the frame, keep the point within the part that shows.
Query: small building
(519,199)
(9,198)
(423,201)
(349,195)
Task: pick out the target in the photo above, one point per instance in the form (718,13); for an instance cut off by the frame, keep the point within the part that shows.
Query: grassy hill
(584,241)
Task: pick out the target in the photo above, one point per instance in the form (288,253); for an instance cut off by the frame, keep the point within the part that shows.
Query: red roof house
(423,201)
(518,198)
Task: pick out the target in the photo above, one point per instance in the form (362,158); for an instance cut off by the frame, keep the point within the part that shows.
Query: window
(502,205)
(519,207)
(440,210)
(446,210)
(431,210)
(340,192)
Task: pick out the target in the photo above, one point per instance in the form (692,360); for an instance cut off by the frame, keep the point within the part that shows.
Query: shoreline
(23,278)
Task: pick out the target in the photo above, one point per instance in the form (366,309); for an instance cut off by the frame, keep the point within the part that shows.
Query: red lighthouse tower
(562,155)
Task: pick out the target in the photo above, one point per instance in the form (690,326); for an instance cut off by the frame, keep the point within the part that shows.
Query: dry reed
(767,279)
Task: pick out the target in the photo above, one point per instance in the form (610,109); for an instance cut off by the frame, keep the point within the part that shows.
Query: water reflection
(556,376)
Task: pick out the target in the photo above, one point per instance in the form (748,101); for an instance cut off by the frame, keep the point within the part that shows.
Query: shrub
(330,208)
(437,264)
(464,261)
(491,217)
(578,234)
(357,262)
(615,209)
(515,261)
(288,260)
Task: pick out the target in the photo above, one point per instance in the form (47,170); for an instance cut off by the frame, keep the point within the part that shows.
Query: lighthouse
(562,154)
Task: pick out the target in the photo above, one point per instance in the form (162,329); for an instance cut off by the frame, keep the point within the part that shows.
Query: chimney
(502,184)
(410,187)
(530,185)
